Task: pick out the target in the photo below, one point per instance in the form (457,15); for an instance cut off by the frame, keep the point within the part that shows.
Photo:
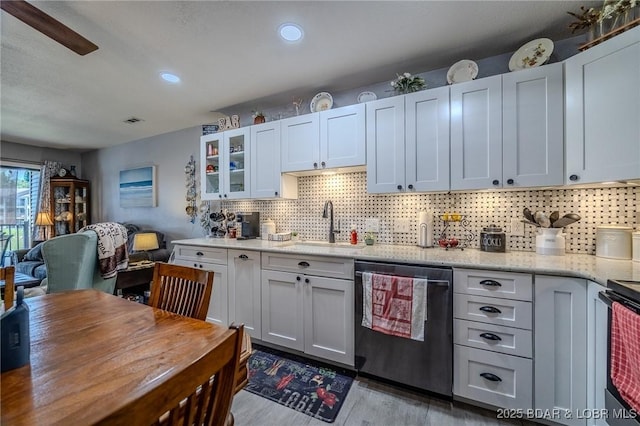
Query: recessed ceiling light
(291,32)
(170,78)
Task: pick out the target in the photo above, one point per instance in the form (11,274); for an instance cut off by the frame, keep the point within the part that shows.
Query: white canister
(425,229)
(268,227)
(550,241)
(636,246)
(613,241)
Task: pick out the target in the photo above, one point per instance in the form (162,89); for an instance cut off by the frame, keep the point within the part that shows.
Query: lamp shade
(145,241)
(43,219)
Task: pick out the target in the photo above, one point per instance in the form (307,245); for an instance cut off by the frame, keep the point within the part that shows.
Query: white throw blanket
(112,247)
(394,305)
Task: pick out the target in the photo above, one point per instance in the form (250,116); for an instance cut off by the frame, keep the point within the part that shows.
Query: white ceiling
(228,53)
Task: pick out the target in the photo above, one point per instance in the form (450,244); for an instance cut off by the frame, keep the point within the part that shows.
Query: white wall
(10,151)
(170,153)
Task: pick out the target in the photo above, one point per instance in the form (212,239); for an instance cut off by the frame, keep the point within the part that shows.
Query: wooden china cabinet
(70,205)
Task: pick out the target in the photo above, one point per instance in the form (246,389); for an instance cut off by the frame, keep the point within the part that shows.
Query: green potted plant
(368,238)
(407,83)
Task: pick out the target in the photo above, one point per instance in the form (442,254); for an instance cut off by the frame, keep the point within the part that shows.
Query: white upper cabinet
(507,130)
(476,134)
(427,140)
(408,142)
(300,143)
(533,127)
(328,139)
(342,137)
(267,181)
(385,145)
(603,111)
(225,165)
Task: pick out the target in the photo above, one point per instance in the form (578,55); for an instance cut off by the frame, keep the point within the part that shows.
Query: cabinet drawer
(497,379)
(202,254)
(332,267)
(506,340)
(506,285)
(512,313)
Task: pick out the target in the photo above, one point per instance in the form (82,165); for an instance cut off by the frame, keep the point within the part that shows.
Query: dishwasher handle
(439,283)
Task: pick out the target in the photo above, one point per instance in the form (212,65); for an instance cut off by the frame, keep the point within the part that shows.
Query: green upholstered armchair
(72,264)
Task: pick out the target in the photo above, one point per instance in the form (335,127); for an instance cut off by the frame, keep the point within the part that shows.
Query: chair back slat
(181,289)
(8,275)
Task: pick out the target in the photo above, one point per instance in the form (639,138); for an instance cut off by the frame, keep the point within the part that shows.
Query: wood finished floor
(369,403)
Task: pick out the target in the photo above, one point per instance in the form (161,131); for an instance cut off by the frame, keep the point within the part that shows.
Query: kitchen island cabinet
(602,110)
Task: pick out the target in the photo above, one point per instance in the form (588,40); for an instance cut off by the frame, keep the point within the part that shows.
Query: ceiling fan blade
(48,26)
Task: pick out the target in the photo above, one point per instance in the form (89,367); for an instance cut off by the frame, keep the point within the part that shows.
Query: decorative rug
(304,385)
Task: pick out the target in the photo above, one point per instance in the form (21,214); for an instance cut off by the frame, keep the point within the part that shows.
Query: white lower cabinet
(492,334)
(493,378)
(597,318)
(308,313)
(210,259)
(561,347)
(282,322)
(244,290)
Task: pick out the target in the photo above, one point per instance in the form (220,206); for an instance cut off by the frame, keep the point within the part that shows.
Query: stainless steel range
(619,411)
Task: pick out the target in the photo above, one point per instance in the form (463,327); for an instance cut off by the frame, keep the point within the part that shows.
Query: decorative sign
(227,123)
(208,129)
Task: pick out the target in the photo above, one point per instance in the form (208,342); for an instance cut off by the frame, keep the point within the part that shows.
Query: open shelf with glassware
(224,156)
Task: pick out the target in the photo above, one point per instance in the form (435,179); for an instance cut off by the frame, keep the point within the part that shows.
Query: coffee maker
(247,225)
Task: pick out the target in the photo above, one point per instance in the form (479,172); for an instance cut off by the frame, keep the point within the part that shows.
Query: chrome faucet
(328,213)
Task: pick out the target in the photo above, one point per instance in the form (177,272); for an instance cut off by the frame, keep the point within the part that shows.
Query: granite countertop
(572,265)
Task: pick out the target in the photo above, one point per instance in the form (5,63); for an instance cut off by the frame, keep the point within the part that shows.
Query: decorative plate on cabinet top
(321,102)
(464,70)
(366,97)
(532,54)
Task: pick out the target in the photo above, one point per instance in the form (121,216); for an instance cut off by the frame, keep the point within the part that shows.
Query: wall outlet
(372,224)
(517,227)
(402,225)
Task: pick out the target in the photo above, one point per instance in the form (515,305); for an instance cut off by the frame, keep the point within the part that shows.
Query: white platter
(366,97)
(464,70)
(321,102)
(532,54)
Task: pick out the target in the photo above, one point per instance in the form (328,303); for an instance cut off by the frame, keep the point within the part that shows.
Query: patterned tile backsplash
(352,205)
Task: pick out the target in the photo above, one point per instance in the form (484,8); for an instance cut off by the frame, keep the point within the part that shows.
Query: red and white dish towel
(394,305)
(625,354)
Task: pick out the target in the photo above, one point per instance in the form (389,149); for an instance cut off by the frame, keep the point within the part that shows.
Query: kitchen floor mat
(298,383)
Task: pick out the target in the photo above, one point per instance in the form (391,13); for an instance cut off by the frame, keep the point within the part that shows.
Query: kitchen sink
(327,244)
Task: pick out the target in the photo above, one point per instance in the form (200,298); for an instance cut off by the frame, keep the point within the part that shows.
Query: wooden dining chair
(182,290)
(200,395)
(8,276)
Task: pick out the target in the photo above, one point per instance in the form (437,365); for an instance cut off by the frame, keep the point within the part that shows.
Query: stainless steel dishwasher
(425,365)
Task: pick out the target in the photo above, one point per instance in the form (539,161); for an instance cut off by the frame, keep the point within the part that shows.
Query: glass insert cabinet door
(224,156)
(70,205)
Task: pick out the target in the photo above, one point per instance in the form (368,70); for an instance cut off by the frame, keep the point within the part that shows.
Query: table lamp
(145,241)
(43,221)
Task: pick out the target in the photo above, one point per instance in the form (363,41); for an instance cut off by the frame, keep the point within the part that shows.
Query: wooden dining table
(92,352)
